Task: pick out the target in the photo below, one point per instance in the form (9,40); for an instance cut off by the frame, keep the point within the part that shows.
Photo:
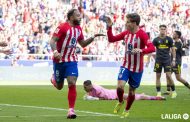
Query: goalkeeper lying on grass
(95,92)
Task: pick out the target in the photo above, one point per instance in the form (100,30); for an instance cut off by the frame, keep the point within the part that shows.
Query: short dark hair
(134,17)
(163,26)
(70,13)
(87,82)
(178,33)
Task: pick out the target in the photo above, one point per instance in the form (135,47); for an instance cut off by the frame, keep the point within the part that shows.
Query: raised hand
(108,21)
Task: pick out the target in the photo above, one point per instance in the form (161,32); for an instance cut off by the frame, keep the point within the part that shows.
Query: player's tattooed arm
(53,43)
(86,42)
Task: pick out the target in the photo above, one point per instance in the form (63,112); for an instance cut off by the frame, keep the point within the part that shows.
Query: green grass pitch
(46,104)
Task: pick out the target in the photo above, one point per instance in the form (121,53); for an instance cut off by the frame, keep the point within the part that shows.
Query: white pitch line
(58,109)
(26,116)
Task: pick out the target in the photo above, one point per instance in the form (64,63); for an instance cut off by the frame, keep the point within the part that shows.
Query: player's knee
(158,75)
(178,78)
(119,89)
(71,84)
(167,81)
(168,76)
(59,87)
(71,81)
(131,91)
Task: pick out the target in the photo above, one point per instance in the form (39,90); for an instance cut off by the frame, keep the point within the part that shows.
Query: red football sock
(72,96)
(130,100)
(120,94)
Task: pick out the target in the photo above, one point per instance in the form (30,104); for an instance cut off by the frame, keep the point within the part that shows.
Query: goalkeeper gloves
(87,97)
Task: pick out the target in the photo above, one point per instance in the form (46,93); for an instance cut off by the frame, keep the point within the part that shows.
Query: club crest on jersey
(135,39)
(130,47)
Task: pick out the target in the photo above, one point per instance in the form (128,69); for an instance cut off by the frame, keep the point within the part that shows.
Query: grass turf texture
(30,101)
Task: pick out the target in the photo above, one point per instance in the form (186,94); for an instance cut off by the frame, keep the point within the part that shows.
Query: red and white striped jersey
(68,38)
(140,40)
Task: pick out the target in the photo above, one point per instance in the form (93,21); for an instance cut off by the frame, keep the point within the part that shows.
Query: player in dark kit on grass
(137,44)
(164,44)
(63,45)
(177,68)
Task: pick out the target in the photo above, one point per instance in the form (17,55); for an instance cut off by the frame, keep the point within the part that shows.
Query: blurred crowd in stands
(28,24)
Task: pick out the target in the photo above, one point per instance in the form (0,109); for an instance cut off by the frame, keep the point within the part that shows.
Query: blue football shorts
(64,69)
(133,78)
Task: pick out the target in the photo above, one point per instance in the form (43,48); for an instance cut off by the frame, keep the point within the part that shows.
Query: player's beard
(129,28)
(76,22)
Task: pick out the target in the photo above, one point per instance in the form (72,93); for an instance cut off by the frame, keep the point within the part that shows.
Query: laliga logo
(185,116)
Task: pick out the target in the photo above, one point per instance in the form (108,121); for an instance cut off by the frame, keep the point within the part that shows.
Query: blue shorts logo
(120,76)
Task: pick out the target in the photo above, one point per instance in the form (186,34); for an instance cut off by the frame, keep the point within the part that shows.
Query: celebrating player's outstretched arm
(84,43)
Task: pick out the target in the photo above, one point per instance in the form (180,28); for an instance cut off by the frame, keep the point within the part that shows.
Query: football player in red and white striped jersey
(63,45)
(137,44)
